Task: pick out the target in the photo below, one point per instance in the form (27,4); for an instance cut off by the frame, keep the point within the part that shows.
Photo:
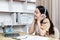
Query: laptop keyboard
(12,35)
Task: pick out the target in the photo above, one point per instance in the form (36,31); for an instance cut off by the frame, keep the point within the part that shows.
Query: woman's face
(37,13)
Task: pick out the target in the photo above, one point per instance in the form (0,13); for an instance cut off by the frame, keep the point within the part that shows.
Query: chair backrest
(56,32)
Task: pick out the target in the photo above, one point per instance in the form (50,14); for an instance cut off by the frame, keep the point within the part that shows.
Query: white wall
(14,7)
(17,7)
(6,18)
(55,13)
(4,6)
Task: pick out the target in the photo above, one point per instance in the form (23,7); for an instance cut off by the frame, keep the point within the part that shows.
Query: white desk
(21,33)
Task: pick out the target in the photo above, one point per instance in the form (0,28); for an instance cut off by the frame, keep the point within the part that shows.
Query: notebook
(28,37)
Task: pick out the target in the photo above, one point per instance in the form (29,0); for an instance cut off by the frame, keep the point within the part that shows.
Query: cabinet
(18,13)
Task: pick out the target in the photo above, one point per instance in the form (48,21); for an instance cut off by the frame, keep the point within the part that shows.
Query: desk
(21,34)
(8,38)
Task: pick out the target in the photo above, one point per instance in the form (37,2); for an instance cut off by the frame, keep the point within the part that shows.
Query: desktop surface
(21,34)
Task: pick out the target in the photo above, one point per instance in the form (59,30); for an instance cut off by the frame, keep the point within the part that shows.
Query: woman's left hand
(41,17)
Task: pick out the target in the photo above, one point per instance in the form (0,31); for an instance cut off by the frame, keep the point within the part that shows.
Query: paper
(28,37)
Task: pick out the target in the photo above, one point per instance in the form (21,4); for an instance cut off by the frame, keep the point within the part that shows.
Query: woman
(42,25)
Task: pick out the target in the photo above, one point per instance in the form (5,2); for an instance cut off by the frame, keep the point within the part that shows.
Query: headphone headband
(45,11)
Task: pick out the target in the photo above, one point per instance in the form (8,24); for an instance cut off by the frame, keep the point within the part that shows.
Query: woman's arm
(32,27)
(43,28)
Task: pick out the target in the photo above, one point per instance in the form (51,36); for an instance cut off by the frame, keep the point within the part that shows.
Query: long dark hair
(42,10)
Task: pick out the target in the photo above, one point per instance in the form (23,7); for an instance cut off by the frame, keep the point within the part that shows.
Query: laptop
(13,35)
(7,34)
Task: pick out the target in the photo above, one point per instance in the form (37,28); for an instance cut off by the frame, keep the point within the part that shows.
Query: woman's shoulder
(46,20)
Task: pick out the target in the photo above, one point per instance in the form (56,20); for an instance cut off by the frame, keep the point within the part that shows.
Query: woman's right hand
(35,20)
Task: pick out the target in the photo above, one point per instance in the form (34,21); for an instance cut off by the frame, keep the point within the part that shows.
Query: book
(29,37)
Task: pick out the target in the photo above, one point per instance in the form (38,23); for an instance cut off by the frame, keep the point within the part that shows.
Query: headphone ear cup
(44,15)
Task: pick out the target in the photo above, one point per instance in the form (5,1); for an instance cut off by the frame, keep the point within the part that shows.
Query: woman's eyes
(36,12)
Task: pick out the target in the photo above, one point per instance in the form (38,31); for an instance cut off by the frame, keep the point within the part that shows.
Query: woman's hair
(42,10)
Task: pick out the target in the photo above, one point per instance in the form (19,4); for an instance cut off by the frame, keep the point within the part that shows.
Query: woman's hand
(41,17)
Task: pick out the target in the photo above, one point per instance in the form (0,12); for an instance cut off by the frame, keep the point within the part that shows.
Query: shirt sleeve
(46,24)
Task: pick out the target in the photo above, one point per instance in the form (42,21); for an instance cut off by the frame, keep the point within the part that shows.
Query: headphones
(44,12)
